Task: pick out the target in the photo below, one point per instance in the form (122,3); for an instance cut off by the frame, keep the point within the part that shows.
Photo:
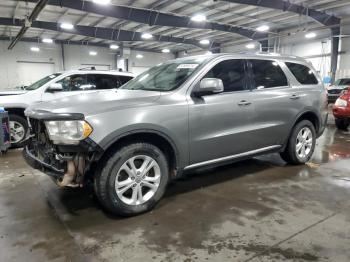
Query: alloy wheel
(137,180)
(304,143)
(17,132)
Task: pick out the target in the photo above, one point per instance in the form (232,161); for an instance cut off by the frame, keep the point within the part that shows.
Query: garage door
(30,72)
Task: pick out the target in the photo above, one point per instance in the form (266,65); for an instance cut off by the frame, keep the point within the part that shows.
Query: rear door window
(267,74)
(302,73)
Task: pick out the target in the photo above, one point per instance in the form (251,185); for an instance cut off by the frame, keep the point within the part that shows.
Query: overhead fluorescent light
(101,2)
(92,53)
(67,26)
(250,46)
(204,42)
(199,18)
(35,49)
(310,35)
(165,50)
(139,56)
(47,40)
(114,47)
(263,28)
(146,36)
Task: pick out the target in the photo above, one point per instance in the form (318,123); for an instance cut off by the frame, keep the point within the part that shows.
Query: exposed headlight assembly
(68,132)
(341,102)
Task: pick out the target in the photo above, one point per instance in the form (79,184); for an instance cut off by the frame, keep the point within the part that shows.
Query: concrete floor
(256,210)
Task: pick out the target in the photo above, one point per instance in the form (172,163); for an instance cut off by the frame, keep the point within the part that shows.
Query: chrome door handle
(244,103)
(294,97)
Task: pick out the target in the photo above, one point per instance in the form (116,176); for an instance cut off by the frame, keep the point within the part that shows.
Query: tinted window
(74,83)
(100,81)
(343,82)
(268,74)
(303,74)
(124,79)
(232,74)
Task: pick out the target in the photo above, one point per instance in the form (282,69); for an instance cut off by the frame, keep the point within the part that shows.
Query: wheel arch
(155,137)
(309,115)
(16,111)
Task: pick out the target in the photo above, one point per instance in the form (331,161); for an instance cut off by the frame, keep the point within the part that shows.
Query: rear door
(276,103)
(219,123)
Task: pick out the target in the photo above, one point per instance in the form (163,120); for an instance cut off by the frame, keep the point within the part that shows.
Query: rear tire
(342,123)
(132,180)
(18,130)
(301,144)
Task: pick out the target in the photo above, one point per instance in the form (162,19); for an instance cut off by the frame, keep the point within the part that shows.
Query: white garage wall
(138,65)
(21,66)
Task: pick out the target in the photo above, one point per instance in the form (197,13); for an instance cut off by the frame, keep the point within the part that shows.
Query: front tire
(301,144)
(18,130)
(342,124)
(133,179)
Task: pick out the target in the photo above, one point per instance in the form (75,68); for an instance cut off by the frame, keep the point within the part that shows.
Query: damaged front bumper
(66,164)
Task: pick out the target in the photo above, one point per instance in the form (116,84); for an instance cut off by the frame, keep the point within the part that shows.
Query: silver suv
(181,115)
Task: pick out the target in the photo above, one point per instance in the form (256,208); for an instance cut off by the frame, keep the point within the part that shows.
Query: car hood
(12,92)
(96,102)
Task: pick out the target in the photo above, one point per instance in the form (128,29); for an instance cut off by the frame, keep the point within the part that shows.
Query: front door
(219,123)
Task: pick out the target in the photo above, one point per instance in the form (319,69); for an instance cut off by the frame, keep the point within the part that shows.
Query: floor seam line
(292,236)
(59,219)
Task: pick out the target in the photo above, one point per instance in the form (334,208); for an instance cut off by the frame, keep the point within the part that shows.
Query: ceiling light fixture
(199,18)
(35,49)
(250,46)
(310,35)
(263,28)
(92,53)
(47,40)
(165,50)
(139,56)
(204,42)
(146,36)
(67,26)
(101,2)
(114,47)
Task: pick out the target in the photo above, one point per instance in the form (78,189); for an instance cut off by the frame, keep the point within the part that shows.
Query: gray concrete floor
(255,210)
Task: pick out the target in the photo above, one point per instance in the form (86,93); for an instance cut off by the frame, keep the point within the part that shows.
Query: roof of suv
(107,72)
(259,55)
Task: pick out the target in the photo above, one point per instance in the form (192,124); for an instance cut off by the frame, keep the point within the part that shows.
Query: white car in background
(334,91)
(53,87)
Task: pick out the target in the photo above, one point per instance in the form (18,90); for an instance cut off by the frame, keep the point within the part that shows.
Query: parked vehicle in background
(178,116)
(52,87)
(341,110)
(334,91)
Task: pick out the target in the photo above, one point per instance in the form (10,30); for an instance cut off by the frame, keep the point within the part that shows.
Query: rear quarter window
(302,73)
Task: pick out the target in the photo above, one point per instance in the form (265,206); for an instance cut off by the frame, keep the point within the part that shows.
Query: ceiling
(222,12)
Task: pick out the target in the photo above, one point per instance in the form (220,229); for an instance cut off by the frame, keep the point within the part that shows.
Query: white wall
(21,66)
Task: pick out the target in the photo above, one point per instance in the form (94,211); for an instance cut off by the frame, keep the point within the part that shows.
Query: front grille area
(41,146)
(334,91)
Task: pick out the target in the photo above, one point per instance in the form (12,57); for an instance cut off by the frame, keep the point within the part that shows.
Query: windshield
(167,76)
(42,82)
(343,82)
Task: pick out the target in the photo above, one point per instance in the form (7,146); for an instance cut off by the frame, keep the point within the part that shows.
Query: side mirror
(55,87)
(208,86)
